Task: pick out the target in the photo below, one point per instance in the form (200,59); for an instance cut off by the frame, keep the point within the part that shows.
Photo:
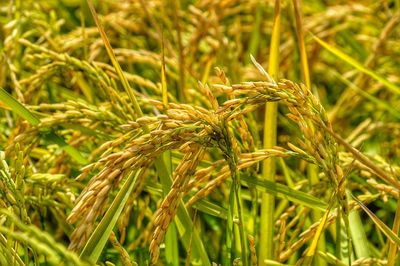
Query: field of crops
(209,132)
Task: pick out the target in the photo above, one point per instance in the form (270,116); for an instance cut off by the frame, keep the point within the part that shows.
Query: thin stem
(270,128)
(181,91)
(238,210)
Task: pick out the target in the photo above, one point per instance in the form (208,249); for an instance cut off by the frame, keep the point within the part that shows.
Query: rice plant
(199,132)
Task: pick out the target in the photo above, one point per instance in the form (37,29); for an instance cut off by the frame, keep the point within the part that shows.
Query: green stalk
(270,127)
(171,239)
(181,91)
(235,210)
(255,35)
(393,249)
(239,213)
(358,236)
(229,228)
(236,205)
(84,35)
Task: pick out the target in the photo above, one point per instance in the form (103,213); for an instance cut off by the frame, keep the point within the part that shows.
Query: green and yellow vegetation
(210,132)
